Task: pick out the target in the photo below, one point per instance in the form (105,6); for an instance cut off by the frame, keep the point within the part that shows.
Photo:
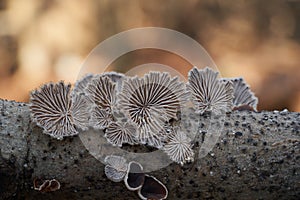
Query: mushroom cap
(101,91)
(152,189)
(46,185)
(244,98)
(208,92)
(116,78)
(118,133)
(81,85)
(54,185)
(134,178)
(37,183)
(178,147)
(51,108)
(100,118)
(80,111)
(115,168)
(150,101)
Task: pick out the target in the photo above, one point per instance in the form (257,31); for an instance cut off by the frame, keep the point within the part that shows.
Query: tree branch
(256,157)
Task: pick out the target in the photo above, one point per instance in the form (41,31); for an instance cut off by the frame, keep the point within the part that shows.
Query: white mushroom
(243,96)
(80,110)
(53,109)
(178,148)
(100,118)
(151,101)
(81,85)
(101,91)
(208,92)
(115,168)
(118,133)
(116,78)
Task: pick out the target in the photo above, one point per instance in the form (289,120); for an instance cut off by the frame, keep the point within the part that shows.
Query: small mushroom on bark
(115,168)
(46,185)
(208,92)
(178,147)
(57,112)
(118,133)
(135,176)
(151,101)
(152,189)
(244,98)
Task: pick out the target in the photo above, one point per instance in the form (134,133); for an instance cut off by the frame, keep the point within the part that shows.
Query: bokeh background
(48,40)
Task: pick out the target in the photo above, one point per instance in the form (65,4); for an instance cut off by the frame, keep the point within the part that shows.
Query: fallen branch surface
(256,157)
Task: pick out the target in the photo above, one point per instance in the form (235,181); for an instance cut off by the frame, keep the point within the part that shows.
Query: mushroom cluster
(148,187)
(137,111)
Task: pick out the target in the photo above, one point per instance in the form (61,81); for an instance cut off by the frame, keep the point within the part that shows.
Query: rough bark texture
(259,161)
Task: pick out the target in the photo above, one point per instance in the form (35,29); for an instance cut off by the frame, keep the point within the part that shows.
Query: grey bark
(259,161)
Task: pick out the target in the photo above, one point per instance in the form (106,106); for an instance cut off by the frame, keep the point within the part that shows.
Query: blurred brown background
(47,40)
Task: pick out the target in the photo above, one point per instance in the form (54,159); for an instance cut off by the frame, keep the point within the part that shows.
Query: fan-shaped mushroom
(178,147)
(151,101)
(115,168)
(118,133)
(59,114)
(244,98)
(208,92)
(101,91)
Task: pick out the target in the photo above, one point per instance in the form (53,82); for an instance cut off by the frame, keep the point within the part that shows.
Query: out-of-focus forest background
(47,40)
